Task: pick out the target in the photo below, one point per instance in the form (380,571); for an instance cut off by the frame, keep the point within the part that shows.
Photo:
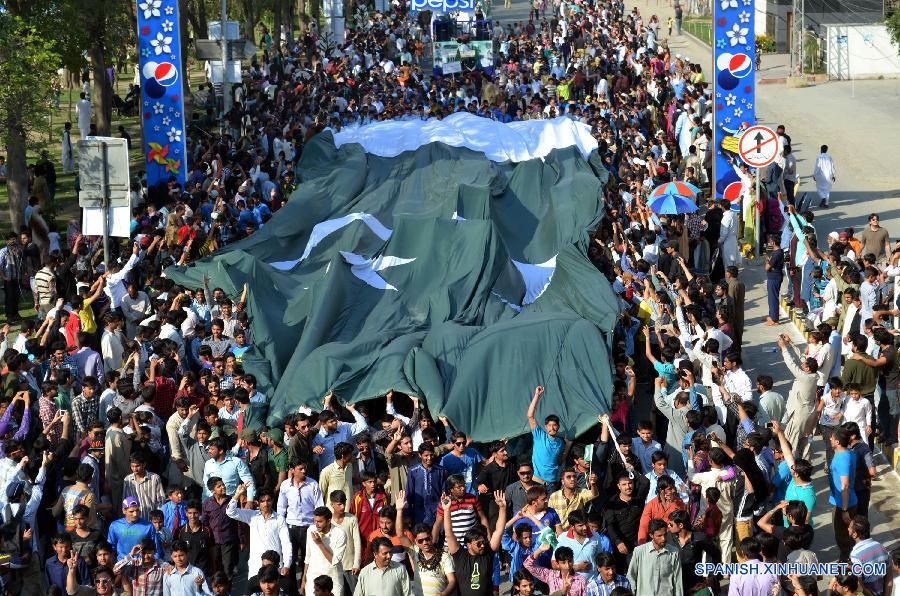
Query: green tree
(28,65)
(893,26)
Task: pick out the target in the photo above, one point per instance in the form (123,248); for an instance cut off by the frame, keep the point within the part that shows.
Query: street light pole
(226,87)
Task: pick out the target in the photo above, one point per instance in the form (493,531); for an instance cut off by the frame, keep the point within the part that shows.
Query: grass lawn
(699,27)
(65,203)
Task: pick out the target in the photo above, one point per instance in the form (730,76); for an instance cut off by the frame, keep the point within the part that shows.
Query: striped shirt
(144,581)
(598,587)
(867,552)
(463,515)
(45,285)
(148,491)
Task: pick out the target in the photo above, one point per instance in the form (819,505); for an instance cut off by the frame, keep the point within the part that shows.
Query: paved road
(860,125)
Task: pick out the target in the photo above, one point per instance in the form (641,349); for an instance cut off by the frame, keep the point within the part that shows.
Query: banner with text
(162,104)
(442,6)
(734,49)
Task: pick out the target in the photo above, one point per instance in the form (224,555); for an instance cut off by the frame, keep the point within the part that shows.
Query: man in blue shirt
(57,567)
(462,459)
(584,543)
(333,431)
(127,532)
(425,483)
(842,497)
(547,454)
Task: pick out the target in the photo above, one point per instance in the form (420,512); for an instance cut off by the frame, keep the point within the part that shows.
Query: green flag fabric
(437,272)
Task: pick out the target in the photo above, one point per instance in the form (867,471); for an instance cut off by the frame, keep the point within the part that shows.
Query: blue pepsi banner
(162,104)
(442,6)
(734,84)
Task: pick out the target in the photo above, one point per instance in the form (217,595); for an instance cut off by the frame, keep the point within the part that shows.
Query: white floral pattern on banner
(737,34)
(174,135)
(161,44)
(167,26)
(158,108)
(150,8)
(726,4)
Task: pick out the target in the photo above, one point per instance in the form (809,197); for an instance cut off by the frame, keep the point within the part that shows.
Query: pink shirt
(553,579)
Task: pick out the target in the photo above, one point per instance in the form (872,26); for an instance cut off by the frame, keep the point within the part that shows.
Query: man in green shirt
(656,565)
(278,463)
(858,371)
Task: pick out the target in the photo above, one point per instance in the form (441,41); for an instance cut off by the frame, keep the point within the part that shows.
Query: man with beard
(622,516)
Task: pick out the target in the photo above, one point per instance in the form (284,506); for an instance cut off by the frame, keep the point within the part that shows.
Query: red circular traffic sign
(758,146)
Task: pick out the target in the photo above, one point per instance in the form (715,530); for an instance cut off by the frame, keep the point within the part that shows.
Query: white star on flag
(367,269)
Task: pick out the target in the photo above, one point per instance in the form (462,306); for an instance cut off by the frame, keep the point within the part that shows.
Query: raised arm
(497,536)
(765,523)
(782,440)
(401,505)
(532,407)
(452,544)
(647,351)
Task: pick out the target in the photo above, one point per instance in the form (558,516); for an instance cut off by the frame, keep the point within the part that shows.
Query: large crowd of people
(136,458)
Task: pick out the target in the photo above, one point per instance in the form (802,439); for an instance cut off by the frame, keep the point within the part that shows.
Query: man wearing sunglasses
(515,492)
(104,582)
(474,563)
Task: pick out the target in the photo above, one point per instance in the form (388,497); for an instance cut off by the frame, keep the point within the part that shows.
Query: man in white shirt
(111,345)
(325,544)
(115,281)
(268,530)
(858,410)
(824,175)
(83,110)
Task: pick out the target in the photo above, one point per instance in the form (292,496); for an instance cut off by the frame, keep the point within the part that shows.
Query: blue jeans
(773,289)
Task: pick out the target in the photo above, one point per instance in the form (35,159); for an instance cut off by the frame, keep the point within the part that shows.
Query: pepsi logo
(726,80)
(738,65)
(158,76)
(733,194)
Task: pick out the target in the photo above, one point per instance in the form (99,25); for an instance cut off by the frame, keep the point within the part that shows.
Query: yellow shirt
(564,506)
(86,314)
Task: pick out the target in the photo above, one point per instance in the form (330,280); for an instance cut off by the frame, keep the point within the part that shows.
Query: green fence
(699,27)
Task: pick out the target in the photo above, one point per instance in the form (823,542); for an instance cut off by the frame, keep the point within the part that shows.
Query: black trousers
(12,292)
(863,498)
(298,545)
(225,558)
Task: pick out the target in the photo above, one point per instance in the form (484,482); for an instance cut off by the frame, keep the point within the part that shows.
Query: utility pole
(226,87)
(792,37)
(802,32)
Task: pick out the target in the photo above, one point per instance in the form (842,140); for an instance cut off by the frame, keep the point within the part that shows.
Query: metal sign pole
(104,203)
(757,251)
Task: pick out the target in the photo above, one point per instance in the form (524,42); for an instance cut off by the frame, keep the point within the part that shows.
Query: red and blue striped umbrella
(673,198)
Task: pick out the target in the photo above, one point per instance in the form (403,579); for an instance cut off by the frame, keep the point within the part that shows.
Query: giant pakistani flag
(445,259)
